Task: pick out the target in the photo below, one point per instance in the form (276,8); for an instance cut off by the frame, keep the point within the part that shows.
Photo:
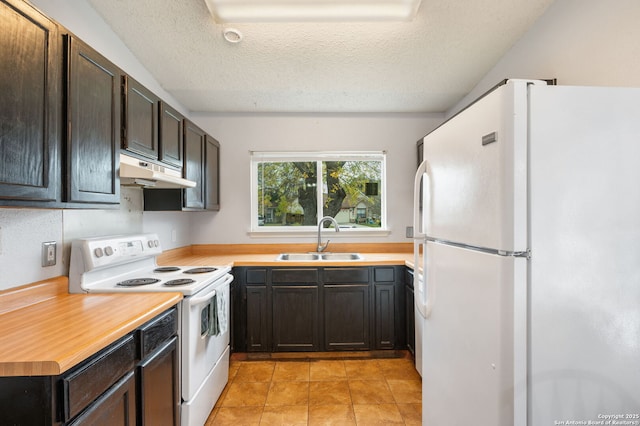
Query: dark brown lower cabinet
(117,407)
(385,316)
(120,385)
(159,392)
(257,314)
(346,317)
(295,318)
(85,383)
(318,309)
(410,319)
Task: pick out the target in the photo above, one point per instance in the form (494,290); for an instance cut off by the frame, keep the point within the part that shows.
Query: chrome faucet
(322,247)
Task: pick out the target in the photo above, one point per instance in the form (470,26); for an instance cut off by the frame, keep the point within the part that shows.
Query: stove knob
(108,250)
(98,252)
(156,243)
(150,244)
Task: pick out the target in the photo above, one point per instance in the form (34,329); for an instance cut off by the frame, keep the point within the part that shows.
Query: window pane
(287,193)
(351,192)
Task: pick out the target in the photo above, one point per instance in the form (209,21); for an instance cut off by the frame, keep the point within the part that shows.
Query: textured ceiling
(426,65)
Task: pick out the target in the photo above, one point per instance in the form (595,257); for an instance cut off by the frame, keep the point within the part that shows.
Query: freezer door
(477,174)
(471,373)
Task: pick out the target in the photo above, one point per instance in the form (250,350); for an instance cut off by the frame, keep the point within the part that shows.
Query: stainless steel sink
(307,257)
(300,257)
(341,256)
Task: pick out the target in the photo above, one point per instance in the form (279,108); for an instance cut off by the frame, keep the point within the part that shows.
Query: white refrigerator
(527,251)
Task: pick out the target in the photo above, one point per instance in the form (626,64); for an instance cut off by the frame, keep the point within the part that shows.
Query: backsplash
(22,232)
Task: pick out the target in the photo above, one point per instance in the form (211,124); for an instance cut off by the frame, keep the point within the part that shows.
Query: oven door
(205,333)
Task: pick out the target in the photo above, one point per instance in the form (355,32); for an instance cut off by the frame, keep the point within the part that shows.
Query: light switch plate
(49,253)
(409,232)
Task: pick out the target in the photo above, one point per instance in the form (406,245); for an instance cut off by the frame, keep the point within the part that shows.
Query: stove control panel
(105,251)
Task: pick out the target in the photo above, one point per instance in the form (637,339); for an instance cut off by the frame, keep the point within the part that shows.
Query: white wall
(173,228)
(579,42)
(586,42)
(241,133)
(22,232)
(84,22)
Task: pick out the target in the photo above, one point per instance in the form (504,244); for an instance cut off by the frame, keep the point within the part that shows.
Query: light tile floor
(316,391)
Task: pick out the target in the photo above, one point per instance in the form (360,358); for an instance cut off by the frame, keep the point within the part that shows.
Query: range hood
(134,171)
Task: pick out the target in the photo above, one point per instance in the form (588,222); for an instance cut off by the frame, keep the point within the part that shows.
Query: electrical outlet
(49,253)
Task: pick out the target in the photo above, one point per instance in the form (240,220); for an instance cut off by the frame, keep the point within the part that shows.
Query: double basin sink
(310,257)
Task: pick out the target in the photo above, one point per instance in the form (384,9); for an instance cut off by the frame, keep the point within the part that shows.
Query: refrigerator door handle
(424,292)
(418,231)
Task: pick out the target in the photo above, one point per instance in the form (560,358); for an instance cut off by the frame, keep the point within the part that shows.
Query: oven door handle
(197,300)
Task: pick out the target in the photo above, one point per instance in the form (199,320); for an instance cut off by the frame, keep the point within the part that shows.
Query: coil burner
(135,282)
(201,270)
(166,269)
(179,282)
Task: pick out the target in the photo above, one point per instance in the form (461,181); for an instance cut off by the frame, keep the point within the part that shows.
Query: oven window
(205,320)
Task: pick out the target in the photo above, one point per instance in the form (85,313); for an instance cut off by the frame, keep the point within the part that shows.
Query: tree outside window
(296,192)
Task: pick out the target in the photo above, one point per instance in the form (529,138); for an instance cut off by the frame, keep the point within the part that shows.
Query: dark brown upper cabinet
(202,165)
(194,146)
(212,174)
(30,104)
(171,136)
(140,119)
(93,125)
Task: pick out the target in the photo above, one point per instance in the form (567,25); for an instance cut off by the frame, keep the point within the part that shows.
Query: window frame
(318,157)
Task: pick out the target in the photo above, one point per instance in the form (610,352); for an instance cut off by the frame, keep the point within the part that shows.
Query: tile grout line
(240,363)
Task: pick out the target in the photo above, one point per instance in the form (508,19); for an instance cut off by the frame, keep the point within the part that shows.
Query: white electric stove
(127,263)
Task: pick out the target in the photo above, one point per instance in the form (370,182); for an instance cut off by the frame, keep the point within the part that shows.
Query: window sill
(326,233)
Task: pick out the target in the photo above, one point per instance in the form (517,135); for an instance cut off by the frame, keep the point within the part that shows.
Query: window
(293,191)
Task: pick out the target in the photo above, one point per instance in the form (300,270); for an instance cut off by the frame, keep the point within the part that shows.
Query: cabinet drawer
(299,276)
(116,407)
(98,374)
(159,330)
(383,274)
(256,276)
(346,275)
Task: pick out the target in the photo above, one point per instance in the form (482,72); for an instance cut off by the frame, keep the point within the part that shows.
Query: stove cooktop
(187,280)
(127,263)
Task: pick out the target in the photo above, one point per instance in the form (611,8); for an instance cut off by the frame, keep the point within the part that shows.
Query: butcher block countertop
(265,254)
(46,331)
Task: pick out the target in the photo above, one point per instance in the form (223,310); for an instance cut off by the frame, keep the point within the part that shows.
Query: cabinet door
(93,123)
(159,390)
(257,319)
(346,317)
(295,318)
(30,103)
(117,407)
(140,113)
(88,381)
(385,316)
(409,311)
(212,174)
(347,307)
(171,136)
(194,143)
(410,319)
